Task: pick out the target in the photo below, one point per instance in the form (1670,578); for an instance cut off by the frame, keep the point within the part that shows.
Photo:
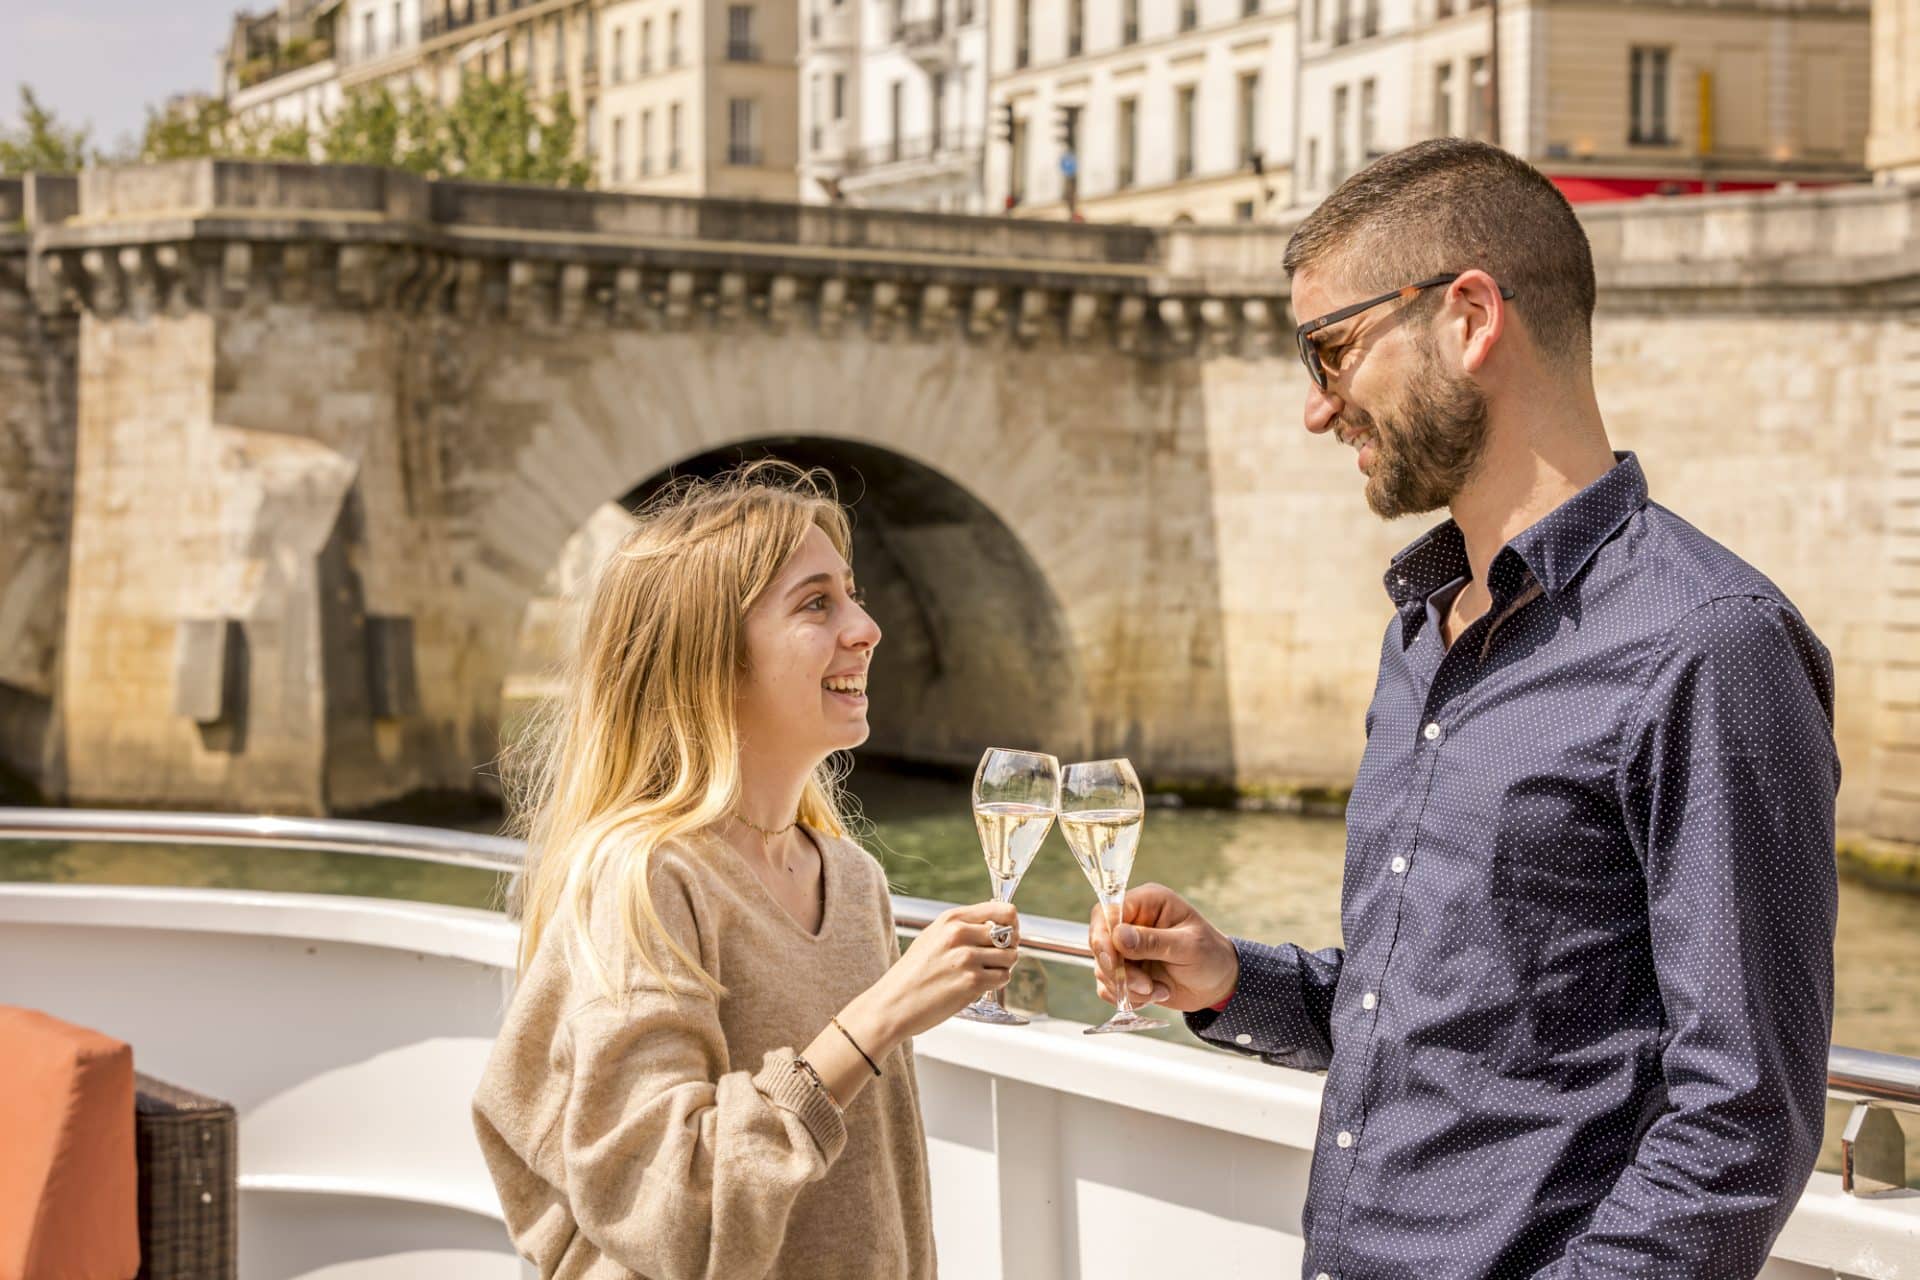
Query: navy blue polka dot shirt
(1579,1028)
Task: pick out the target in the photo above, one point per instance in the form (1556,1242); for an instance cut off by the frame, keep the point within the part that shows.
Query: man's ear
(1475,301)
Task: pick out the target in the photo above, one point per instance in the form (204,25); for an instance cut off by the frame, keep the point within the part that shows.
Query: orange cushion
(68,1194)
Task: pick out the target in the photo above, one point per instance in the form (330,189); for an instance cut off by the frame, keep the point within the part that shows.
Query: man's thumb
(1143,944)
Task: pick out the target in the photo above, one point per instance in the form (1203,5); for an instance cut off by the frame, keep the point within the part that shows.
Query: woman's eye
(815,602)
(859,596)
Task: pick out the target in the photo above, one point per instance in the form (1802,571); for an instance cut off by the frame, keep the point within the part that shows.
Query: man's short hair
(1451,204)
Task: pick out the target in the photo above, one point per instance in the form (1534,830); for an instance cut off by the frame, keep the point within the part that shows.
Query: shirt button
(1243,1038)
(1399,866)
(1432,731)
(1344,1139)
(1323,1276)
(1369,1000)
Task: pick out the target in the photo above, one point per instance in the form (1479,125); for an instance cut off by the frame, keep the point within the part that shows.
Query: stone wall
(37,397)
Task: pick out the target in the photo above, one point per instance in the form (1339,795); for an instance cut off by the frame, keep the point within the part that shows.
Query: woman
(705,1069)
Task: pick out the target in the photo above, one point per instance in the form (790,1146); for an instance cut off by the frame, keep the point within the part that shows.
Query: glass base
(1128,1021)
(985,1010)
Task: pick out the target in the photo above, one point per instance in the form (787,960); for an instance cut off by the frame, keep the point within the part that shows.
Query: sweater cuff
(786,1086)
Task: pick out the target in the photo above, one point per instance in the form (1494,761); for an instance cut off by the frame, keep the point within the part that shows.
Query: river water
(1270,876)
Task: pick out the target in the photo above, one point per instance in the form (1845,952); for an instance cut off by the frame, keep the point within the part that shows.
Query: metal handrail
(1861,1074)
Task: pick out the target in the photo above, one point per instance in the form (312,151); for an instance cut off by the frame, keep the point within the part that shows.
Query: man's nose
(1322,408)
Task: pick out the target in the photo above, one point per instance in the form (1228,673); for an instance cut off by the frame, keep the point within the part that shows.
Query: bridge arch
(977,650)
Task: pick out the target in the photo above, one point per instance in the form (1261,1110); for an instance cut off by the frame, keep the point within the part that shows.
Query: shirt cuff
(1266,1015)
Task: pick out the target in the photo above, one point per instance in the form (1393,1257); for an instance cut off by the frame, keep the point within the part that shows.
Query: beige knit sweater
(673,1138)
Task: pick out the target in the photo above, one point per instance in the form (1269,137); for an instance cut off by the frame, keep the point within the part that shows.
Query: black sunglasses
(1310,350)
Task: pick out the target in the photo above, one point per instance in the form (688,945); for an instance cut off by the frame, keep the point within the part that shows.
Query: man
(1579,1028)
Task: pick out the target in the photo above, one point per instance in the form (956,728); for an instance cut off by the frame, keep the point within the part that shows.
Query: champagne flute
(1015,795)
(1101,808)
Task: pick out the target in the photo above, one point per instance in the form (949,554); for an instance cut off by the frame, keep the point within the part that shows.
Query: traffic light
(1067,127)
(1004,129)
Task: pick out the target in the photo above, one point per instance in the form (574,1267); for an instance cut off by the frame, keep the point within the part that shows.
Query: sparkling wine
(1103,842)
(1010,834)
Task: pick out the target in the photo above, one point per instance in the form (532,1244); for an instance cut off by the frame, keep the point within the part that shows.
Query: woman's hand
(950,965)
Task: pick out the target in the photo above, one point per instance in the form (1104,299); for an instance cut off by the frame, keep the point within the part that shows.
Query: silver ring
(1001,934)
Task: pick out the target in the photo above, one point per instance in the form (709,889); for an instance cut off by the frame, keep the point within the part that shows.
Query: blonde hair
(641,749)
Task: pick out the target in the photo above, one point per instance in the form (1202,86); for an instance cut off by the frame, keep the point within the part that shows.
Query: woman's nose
(865,632)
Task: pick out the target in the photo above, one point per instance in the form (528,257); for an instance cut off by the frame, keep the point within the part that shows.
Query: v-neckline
(827,893)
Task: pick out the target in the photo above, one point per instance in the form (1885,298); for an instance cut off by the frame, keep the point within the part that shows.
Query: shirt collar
(1552,551)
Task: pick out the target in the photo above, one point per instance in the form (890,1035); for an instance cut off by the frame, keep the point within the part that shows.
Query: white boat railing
(1872,1145)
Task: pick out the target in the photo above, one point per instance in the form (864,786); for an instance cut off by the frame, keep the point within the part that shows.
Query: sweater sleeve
(678,1166)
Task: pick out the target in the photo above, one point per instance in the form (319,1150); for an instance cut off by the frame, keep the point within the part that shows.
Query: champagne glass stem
(1125,992)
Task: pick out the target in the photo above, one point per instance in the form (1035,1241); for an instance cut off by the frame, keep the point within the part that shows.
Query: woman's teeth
(847,684)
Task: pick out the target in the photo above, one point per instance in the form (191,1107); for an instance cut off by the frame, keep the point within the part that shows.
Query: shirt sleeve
(1728,783)
(678,1165)
(1282,1009)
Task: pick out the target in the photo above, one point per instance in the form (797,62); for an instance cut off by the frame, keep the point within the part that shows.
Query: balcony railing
(279,61)
(921,150)
(742,153)
(743,51)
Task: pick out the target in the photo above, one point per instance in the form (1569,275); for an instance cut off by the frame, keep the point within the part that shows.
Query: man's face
(1418,422)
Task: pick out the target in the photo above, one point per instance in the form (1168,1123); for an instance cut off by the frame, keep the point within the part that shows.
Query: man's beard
(1424,453)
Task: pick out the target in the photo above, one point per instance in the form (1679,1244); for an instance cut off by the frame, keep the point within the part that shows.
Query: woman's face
(809,644)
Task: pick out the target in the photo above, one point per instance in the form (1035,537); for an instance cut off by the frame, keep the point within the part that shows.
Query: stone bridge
(288,451)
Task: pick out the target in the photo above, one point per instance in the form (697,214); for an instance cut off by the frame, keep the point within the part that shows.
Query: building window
(839,96)
(1648,85)
(1018,165)
(1443,100)
(617,146)
(1339,156)
(618,71)
(646,143)
(937,88)
(369,43)
(646,46)
(1479,95)
(1128,141)
(1249,9)
(1189,14)
(1342,32)
(1249,117)
(1183,134)
(743,131)
(674,155)
(560,49)
(1442,8)
(1243,211)
(1076,27)
(1313,163)
(896,107)
(740,43)
(1369,110)
(673,39)
(589,44)
(397,40)
(593,129)
(1022,32)
(1130,23)
(1369,18)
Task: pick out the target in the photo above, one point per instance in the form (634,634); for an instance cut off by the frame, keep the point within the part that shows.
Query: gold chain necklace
(766,835)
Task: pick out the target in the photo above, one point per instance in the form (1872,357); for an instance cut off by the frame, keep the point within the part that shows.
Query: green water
(1269,876)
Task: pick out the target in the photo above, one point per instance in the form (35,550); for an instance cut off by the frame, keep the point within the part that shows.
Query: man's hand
(1174,956)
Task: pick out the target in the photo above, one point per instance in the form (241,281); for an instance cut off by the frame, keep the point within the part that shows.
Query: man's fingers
(1136,942)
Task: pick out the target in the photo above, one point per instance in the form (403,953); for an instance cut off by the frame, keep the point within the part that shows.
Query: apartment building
(893,103)
(1893,143)
(1149,111)
(674,97)
(278,68)
(1611,100)
(698,97)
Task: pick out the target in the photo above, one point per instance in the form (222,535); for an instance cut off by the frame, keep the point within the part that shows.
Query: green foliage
(492,132)
(42,144)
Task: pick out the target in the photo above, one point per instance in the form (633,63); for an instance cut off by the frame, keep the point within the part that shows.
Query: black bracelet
(855,1043)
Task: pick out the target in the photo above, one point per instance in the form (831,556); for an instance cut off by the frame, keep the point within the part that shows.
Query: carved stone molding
(553,292)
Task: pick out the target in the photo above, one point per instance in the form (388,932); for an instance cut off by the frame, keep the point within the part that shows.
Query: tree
(42,145)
